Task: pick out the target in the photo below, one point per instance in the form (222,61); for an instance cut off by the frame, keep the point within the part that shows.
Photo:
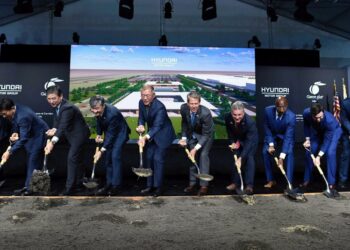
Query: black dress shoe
(19,191)
(66,192)
(113,191)
(27,193)
(103,191)
(147,190)
(158,192)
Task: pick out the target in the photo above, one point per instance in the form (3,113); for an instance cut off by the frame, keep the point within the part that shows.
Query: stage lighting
(271,13)
(3,39)
(76,38)
(208,9)
(126,9)
(254,42)
(23,7)
(317,44)
(168,8)
(58,9)
(301,12)
(163,41)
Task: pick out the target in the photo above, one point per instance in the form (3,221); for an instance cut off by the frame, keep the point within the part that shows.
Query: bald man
(279,127)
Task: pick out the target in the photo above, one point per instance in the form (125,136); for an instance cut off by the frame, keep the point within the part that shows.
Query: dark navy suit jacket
(159,125)
(283,129)
(203,126)
(5,129)
(345,115)
(30,127)
(113,124)
(247,135)
(323,130)
(70,123)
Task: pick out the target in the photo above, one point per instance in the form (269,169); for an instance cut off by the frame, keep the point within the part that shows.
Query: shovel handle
(317,166)
(189,155)
(280,166)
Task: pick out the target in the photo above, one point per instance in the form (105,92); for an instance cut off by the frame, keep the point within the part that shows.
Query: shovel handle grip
(189,155)
(280,166)
(317,166)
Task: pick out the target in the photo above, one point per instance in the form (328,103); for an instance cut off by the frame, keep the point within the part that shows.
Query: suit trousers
(202,159)
(155,160)
(344,158)
(331,155)
(35,155)
(248,169)
(75,163)
(269,162)
(114,162)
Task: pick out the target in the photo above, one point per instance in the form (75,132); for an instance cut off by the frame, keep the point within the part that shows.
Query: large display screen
(220,75)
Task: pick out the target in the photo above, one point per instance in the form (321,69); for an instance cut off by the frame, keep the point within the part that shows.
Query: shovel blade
(90,184)
(332,193)
(143,172)
(205,177)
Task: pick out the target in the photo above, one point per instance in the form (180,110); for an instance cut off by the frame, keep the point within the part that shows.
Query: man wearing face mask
(197,134)
(112,124)
(279,127)
(243,137)
(322,132)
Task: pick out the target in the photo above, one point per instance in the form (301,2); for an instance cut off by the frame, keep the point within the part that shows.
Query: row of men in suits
(321,129)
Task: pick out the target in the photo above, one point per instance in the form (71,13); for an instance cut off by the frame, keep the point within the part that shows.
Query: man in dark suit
(159,137)
(28,132)
(197,134)
(322,132)
(345,155)
(112,124)
(279,126)
(69,124)
(5,131)
(243,137)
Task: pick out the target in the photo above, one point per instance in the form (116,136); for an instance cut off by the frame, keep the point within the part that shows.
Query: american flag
(336,104)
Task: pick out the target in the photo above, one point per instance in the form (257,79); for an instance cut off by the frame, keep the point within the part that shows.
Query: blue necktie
(57,111)
(193,118)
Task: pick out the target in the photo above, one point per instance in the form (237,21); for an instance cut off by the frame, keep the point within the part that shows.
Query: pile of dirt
(46,203)
(21,217)
(115,219)
(40,183)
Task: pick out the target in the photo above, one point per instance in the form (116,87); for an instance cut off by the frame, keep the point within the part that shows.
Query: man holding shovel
(69,124)
(5,131)
(322,132)
(159,137)
(243,137)
(279,127)
(112,124)
(28,132)
(197,134)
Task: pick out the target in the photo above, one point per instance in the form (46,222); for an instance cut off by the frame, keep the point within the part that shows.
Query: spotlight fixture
(126,9)
(271,13)
(76,38)
(59,6)
(317,44)
(254,42)
(23,7)
(301,12)
(168,8)
(208,10)
(163,41)
(3,39)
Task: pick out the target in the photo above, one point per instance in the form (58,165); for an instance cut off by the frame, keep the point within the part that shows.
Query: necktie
(193,118)
(57,111)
